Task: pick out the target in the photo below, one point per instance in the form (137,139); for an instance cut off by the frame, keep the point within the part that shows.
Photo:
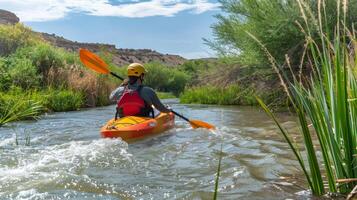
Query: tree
(276,23)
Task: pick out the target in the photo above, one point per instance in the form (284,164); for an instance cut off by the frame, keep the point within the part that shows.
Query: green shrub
(43,55)
(196,68)
(157,76)
(165,79)
(275,24)
(5,80)
(63,100)
(22,73)
(13,37)
(50,62)
(165,95)
(177,82)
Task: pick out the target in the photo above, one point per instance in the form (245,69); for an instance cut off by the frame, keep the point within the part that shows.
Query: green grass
(165,95)
(14,108)
(62,100)
(328,102)
(231,95)
(19,104)
(211,95)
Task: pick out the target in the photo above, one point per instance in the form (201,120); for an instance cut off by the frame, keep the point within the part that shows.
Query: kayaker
(135,99)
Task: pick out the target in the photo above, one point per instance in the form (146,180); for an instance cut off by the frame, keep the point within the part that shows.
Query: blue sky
(167,26)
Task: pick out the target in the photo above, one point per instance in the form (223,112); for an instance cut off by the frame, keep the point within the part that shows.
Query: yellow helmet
(136,69)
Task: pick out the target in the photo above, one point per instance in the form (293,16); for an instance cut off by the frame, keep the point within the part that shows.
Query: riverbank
(226,81)
(36,77)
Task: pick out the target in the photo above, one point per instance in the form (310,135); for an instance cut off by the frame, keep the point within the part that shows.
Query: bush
(22,73)
(165,95)
(165,79)
(5,80)
(63,100)
(275,24)
(157,76)
(194,69)
(13,37)
(50,62)
(44,56)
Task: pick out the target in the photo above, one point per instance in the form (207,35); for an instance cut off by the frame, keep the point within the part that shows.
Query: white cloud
(45,10)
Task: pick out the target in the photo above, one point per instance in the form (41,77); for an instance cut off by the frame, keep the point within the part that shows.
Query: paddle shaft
(184,118)
(113,74)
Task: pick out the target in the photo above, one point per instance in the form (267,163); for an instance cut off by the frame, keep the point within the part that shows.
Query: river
(65,158)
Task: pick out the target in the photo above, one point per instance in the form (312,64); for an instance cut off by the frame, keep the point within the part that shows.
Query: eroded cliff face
(120,56)
(7,17)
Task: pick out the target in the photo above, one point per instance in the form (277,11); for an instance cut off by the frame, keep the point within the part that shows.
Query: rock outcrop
(7,17)
(120,56)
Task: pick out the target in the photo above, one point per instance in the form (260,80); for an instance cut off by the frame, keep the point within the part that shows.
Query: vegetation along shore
(42,73)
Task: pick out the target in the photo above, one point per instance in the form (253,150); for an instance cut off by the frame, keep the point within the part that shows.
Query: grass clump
(165,95)
(18,107)
(17,104)
(230,95)
(211,95)
(63,100)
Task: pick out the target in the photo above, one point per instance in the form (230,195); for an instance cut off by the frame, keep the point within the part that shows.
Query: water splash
(58,164)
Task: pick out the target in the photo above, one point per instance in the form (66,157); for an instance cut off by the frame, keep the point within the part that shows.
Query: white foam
(55,162)
(30,194)
(7,141)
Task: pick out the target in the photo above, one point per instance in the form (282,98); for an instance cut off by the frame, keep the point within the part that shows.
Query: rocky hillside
(7,17)
(120,56)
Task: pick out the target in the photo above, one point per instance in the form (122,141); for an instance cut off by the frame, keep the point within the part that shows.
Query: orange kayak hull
(133,128)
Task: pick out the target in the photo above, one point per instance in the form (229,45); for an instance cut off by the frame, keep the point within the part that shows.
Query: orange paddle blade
(201,124)
(93,61)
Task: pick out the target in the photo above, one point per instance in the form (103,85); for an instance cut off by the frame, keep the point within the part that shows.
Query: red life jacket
(130,103)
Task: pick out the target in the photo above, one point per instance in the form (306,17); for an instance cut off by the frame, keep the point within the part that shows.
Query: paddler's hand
(168,107)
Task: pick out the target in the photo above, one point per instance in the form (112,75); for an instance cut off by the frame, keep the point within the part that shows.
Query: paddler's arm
(150,96)
(116,94)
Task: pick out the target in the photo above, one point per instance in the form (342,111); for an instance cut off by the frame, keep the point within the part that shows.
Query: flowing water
(62,156)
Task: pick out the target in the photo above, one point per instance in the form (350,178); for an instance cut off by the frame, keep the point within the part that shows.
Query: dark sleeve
(116,94)
(150,96)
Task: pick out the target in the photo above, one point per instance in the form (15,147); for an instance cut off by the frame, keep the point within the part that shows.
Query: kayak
(133,127)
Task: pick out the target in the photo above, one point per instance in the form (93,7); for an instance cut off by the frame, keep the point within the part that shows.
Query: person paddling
(135,99)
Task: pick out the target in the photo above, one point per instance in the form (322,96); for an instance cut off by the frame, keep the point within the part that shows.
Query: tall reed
(327,100)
